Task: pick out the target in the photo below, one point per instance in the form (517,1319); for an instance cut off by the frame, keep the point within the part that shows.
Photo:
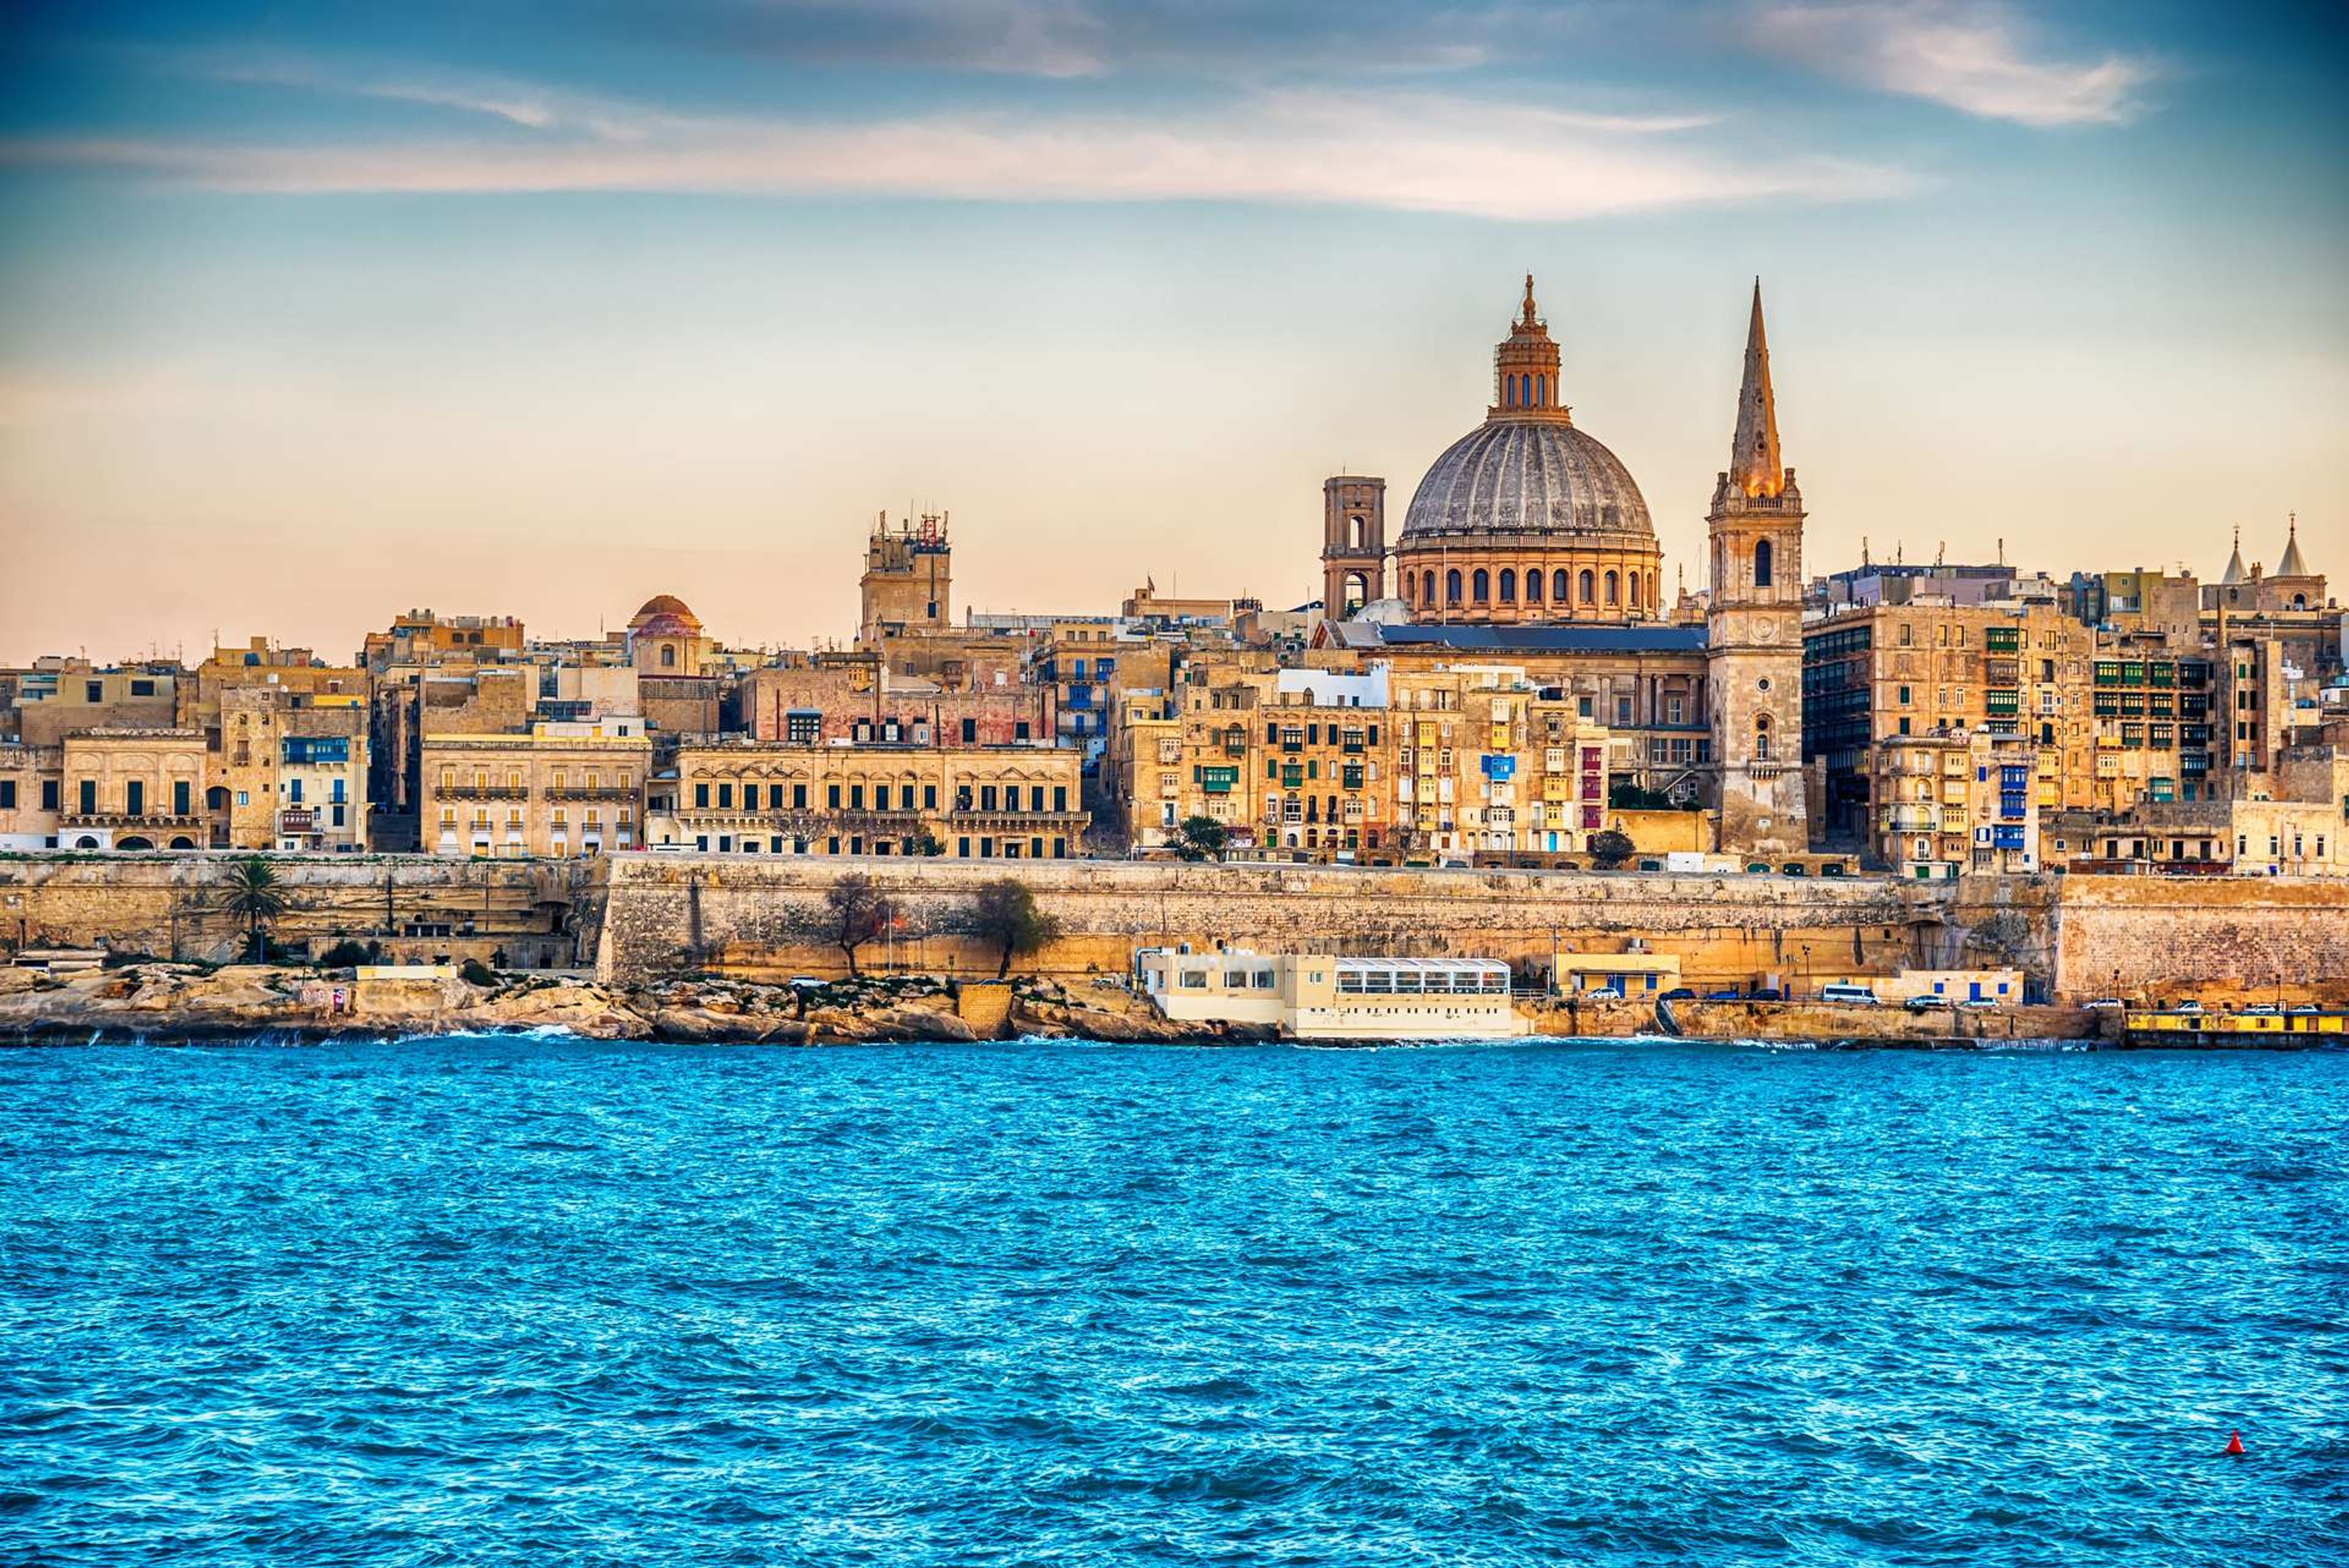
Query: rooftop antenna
(1940,547)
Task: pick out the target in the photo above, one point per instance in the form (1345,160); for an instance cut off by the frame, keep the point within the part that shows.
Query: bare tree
(860,910)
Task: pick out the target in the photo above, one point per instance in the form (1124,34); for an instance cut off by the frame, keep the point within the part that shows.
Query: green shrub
(473,972)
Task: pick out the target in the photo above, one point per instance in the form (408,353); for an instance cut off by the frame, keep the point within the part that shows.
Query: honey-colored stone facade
(134,789)
(560,790)
(1011,802)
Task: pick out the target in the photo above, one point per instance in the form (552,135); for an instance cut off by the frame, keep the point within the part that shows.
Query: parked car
(1604,993)
(2264,1009)
(2305,1007)
(1982,1002)
(1677,993)
(1863,996)
(1924,1004)
(1731,996)
(2188,1007)
(1765,994)
(2105,1005)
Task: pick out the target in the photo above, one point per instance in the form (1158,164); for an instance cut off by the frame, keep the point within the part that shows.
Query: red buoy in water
(2234,1443)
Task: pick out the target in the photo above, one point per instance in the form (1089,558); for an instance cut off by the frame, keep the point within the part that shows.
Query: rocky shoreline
(165,1003)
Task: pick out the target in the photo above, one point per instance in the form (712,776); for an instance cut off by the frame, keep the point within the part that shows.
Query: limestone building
(988,803)
(561,789)
(134,790)
(908,582)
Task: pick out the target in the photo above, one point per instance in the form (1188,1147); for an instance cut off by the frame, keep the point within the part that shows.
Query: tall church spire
(1754,463)
(2235,572)
(2292,564)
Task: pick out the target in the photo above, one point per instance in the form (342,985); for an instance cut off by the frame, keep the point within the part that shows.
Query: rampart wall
(640,917)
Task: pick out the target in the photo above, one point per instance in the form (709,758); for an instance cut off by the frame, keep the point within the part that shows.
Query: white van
(1859,994)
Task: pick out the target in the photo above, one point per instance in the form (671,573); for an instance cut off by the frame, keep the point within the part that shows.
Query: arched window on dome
(1631,590)
(1533,587)
(1613,590)
(1482,582)
(1541,391)
(1509,586)
(1427,589)
(1452,586)
(1558,594)
(668,655)
(1588,584)
(1761,564)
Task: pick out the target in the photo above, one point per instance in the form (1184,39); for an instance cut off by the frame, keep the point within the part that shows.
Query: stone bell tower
(1353,544)
(1754,622)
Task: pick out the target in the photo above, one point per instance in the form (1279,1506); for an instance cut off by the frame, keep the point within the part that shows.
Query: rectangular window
(831,802)
(135,797)
(726,796)
(182,797)
(48,794)
(701,797)
(799,797)
(969,731)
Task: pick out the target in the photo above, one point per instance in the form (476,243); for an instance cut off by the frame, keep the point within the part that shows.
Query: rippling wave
(529,1299)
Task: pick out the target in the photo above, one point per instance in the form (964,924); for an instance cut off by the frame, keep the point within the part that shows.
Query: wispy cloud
(1424,153)
(1979,57)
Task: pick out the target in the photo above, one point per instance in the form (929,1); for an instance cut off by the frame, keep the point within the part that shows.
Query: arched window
(668,655)
(1587,585)
(1631,590)
(1558,586)
(1541,391)
(1427,589)
(1452,586)
(1760,737)
(1484,585)
(1355,529)
(1509,586)
(1533,587)
(1614,590)
(1761,564)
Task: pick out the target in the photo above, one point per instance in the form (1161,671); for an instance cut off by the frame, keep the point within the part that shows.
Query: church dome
(1532,476)
(663,605)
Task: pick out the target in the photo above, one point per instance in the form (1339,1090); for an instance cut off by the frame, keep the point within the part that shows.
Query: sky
(313,315)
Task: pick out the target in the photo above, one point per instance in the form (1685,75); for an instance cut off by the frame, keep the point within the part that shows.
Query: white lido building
(1321,996)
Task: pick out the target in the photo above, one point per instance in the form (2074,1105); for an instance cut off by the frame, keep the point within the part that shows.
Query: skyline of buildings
(1505,679)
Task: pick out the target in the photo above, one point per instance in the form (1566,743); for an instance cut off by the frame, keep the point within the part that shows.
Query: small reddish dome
(669,625)
(666,606)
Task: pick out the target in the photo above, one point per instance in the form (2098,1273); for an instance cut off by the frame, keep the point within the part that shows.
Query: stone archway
(183,843)
(85,842)
(134,842)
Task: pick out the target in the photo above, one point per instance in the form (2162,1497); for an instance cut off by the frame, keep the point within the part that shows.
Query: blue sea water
(531,1301)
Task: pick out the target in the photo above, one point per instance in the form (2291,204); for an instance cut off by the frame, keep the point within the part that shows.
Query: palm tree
(254,894)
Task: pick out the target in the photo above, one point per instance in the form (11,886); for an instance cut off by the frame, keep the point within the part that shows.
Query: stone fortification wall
(767,919)
(536,914)
(2213,938)
(642,917)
